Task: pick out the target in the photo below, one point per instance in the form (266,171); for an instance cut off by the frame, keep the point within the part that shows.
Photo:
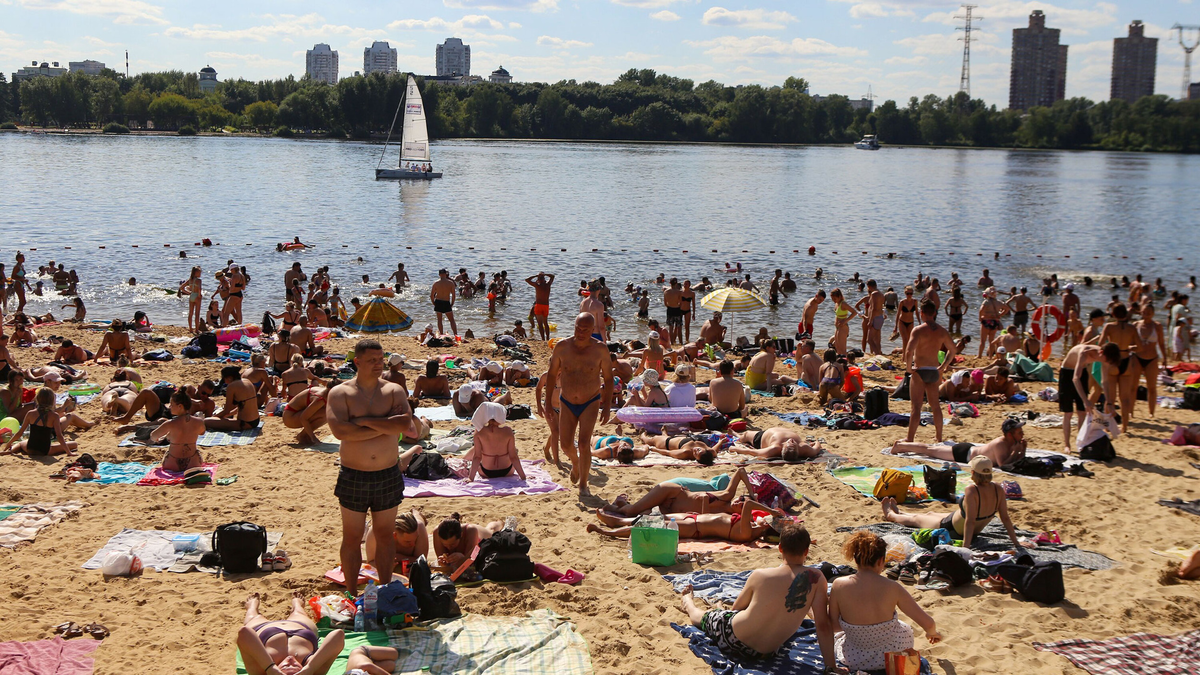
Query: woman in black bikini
(306,411)
(289,646)
(905,316)
(981,497)
(240,398)
(989,317)
(1125,336)
(214,315)
(181,430)
(1152,342)
(955,309)
(281,353)
(290,317)
(45,427)
(293,380)
(745,525)
(495,451)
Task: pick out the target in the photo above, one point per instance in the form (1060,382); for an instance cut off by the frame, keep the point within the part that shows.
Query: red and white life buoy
(1059,330)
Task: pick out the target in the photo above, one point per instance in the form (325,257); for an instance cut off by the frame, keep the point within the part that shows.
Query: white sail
(414,136)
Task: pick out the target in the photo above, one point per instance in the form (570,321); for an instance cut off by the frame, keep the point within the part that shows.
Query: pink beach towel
(160,476)
(47,657)
(538,481)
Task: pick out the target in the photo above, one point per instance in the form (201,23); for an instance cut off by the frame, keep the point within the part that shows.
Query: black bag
(1143,393)
(877,403)
(1038,467)
(203,345)
(902,392)
(952,567)
(239,546)
(1101,450)
(268,323)
(428,466)
(942,483)
(164,391)
(1037,582)
(85,461)
(505,557)
(1191,398)
(518,411)
(435,592)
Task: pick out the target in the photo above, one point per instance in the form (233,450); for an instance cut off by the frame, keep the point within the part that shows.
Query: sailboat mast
(392,128)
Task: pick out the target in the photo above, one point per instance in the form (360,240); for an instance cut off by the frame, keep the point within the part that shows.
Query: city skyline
(900,48)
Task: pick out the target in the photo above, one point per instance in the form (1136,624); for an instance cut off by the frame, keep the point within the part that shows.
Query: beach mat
(330,443)
(160,476)
(55,656)
(1139,654)
(353,640)
(1068,462)
(863,478)
(728,458)
(124,473)
(538,481)
(994,538)
(27,521)
(156,550)
(210,438)
(710,585)
(441,413)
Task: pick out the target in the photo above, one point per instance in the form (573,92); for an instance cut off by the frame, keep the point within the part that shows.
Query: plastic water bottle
(370,605)
(671,525)
(359,618)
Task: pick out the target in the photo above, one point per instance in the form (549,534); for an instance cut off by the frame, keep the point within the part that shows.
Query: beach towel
(109,473)
(156,549)
(537,481)
(800,655)
(1139,654)
(6,512)
(863,478)
(24,525)
(540,642)
(190,561)
(160,476)
(1068,460)
(442,413)
(655,459)
(716,483)
(710,585)
(994,538)
(353,640)
(1192,507)
(1024,367)
(210,438)
(48,657)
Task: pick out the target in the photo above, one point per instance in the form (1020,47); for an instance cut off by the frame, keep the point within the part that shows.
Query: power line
(1187,55)
(964,81)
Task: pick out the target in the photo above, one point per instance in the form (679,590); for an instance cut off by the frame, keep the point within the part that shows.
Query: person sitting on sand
(306,411)
(289,646)
(11,397)
(999,387)
(240,399)
(412,539)
(651,356)
(294,380)
(263,382)
(517,375)
(832,378)
(771,606)
(981,501)
(692,447)
(115,343)
(71,354)
(494,453)
(181,430)
(671,498)
(22,335)
(761,375)
(618,447)
(776,442)
(303,338)
(1007,448)
(742,527)
(864,606)
(45,430)
(492,373)
(454,540)
(651,394)
(431,384)
(725,393)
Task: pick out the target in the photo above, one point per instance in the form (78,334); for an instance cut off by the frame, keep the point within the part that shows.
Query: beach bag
(942,483)
(428,466)
(239,546)
(768,490)
(435,593)
(158,355)
(653,546)
(203,345)
(518,411)
(894,484)
(164,391)
(1191,398)
(505,557)
(950,566)
(877,403)
(268,323)
(85,461)
(907,662)
(121,564)
(902,392)
(395,600)
(1035,581)
(1100,450)
(1038,467)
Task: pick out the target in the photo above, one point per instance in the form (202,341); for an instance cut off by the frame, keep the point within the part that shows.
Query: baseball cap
(1011,424)
(1070,287)
(395,359)
(981,465)
(1001,350)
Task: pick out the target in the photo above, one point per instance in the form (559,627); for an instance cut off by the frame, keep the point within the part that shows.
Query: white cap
(428,326)
(653,335)
(1001,350)
(957,377)
(520,366)
(1070,287)
(395,359)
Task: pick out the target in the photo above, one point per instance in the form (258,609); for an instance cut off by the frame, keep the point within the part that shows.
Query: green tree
(106,98)
(260,115)
(37,100)
(169,111)
(136,104)
(5,114)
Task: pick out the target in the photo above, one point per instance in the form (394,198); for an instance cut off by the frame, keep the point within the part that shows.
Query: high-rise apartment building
(1134,60)
(321,64)
(1038,75)
(453,58)
(379,58)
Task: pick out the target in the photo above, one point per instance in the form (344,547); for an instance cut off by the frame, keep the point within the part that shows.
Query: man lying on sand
(776,442)
(1007,448)
(742,527)
(671,498)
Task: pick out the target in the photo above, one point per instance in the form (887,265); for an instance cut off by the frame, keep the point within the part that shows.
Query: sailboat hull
(399,174)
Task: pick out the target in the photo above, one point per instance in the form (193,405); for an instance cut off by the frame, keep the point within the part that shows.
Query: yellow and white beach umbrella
(732,300)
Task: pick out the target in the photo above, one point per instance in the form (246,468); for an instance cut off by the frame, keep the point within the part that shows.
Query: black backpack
(435,592)
(164,391)
(942,483)
(203,345)
(1191,398)
(1038,467)
(268,323)
(518,411)
(1100,449)
(877,403)
(902,392)
(239,546)
(952,567)
(428,466)
(505,557)
(1035,581)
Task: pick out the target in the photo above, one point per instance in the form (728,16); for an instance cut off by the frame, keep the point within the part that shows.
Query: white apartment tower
(453,58)
(321,64)
(379,58)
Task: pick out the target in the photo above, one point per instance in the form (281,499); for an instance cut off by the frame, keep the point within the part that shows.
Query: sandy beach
(165,622)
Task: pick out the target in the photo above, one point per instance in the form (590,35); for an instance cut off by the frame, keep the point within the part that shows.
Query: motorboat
(868,142)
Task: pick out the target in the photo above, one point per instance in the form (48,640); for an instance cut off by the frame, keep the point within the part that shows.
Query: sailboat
(414,140)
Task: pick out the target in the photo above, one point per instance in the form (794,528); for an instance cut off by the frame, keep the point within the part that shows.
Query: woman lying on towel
(981,501)
(671,498)
(494,453)
(617,447)
(752,522)
(288,646)
(865,604)
(372,660)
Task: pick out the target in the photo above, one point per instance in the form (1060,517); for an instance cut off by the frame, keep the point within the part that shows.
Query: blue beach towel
(110,473)
(711,585)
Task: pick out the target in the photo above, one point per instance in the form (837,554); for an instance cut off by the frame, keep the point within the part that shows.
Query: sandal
(908,573)
(97,631)
(63,627)
(281,561)
(893,571)
(72,631)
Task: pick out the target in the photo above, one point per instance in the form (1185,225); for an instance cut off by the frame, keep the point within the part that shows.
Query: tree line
(639,105)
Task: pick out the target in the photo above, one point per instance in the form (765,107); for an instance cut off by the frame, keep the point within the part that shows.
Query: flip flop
(571,578)
(96,630)
(72,631)
(63,627)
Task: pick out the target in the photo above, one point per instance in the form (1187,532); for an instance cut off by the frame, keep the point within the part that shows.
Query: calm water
(624,200)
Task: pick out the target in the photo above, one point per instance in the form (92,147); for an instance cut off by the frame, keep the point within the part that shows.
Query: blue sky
(899,48)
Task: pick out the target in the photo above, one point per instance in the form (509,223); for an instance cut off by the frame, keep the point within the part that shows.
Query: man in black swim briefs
(921,359)
(1006,448)
(580,365)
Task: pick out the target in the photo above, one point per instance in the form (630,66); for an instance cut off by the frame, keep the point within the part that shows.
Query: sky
(893,48)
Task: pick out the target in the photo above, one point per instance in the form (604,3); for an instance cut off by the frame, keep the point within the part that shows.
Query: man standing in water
(592,305)
(921,362)
(541,301)
(810,314)
(400,276)
(442,295)
(876,316)
(368,415)
(673,301)
(583,368)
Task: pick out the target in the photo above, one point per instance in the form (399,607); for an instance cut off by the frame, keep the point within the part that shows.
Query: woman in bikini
(181,430)
(257,374)
(289,646)
(989,317)
(293,380)
(750,522)
(282,352)
(651,395)
(289,318)
(19,283)
(192,289)
(651,357)
(454,540)
(306,411)
(11,397)
(1152,343)
(1125,336)
(45,430)
(981,497)
(842,313)
(691,447)
(213,316)
(495,451)
(115,343)
(955,309)
(673,498)
(241,399)
(410,535)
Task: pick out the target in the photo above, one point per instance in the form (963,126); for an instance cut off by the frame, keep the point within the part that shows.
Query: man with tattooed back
(771,606)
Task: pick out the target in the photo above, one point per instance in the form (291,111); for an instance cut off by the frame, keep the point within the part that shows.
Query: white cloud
(513,25)
(877,10)
(559,43)
(504,5)
(471,22)
(757,19)
(665,15)
(231,59)
(731,48)
(905,60)
(1015,13)
(646,4)
(281,27)
(121,11)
